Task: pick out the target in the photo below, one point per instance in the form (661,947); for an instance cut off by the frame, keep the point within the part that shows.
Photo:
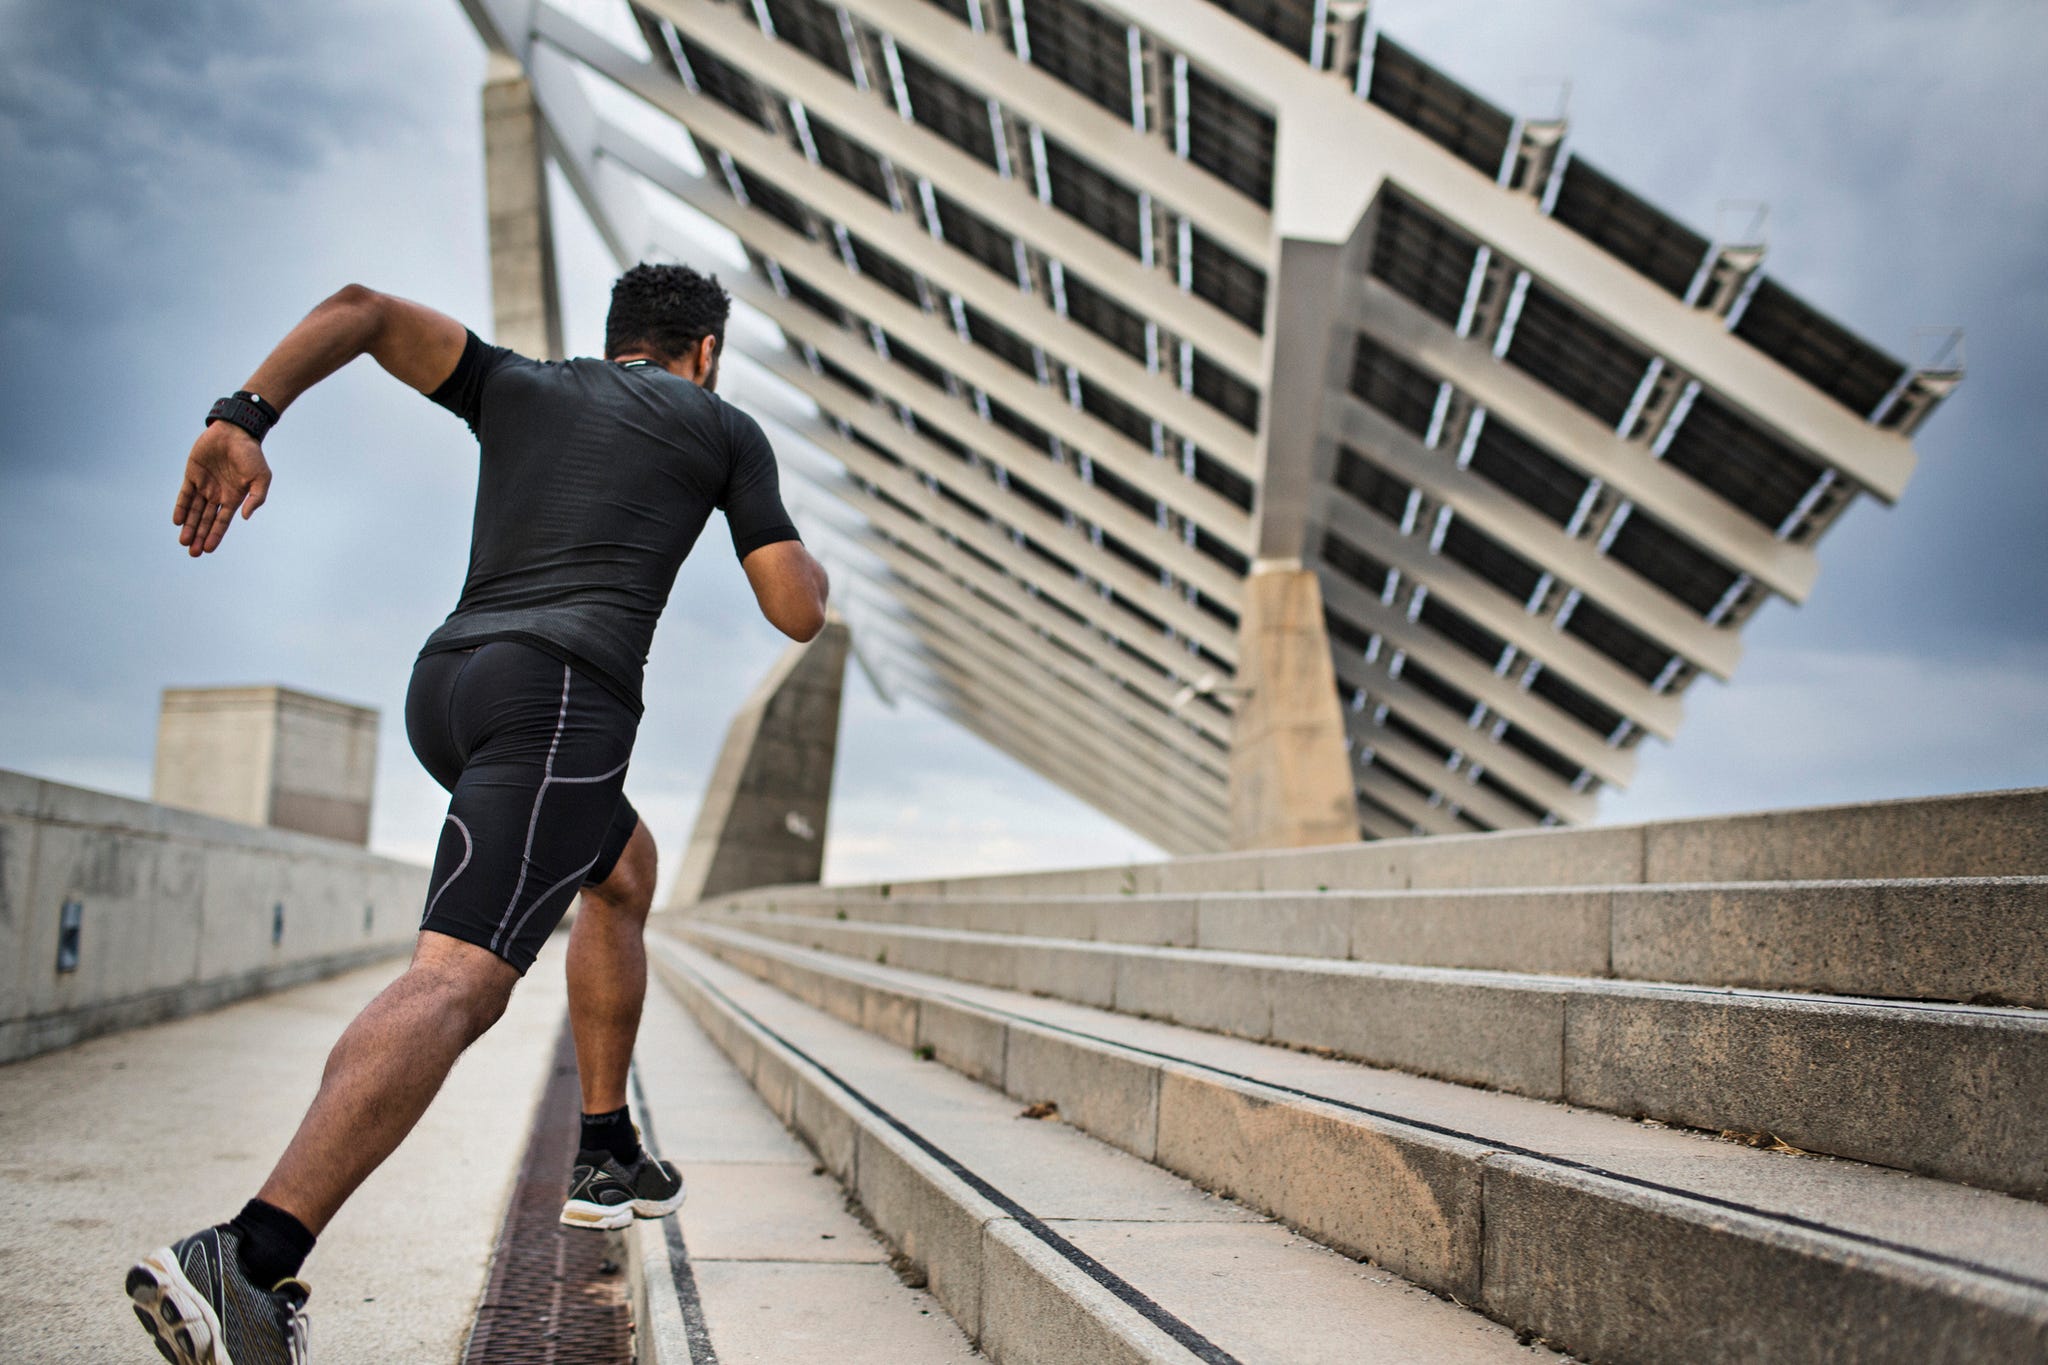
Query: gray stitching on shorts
(537,900)
(468,847)
(533,820)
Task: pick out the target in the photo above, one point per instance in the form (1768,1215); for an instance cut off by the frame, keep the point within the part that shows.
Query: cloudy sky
(183,182)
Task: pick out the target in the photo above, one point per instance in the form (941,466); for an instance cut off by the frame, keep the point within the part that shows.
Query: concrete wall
(177,911)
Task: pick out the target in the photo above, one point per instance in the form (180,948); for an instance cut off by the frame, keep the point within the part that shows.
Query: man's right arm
(790,586)
(226,468)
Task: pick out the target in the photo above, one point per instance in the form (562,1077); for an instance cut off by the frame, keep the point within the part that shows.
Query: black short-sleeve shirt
(594,481)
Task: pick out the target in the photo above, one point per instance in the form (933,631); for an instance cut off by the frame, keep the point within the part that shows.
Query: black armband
(245,410)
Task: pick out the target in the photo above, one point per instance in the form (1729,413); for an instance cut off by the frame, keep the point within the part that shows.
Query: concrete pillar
(525,303)
(763,818)
(268,756)
(1290,776)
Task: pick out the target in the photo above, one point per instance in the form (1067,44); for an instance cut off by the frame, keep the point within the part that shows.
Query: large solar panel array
(1056,447)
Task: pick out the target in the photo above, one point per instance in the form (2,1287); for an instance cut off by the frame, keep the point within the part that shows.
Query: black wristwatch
(246,410)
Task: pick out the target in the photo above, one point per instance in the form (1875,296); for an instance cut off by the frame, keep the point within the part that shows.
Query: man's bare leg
(608,973)
(385,1070)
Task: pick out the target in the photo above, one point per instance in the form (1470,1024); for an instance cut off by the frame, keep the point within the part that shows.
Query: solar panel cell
(1581,359)
(1232,284)
(1628,227)
(948,108)
(1473,130)
(1098,199)
(1511,461)
(1083,47)
(1226,393)
(1671,562)
(1617,639)
(1402,391)
(1230,137)
(814,28)
(848,159)
(1760,474)
(1422,257)
(1817,349)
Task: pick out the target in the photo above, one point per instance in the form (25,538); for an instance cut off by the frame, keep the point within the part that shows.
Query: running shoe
(605,1194)
(200,1308)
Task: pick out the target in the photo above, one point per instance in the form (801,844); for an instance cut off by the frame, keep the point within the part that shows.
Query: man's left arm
(226,469)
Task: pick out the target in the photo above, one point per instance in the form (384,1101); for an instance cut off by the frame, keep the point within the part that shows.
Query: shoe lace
(293,1320)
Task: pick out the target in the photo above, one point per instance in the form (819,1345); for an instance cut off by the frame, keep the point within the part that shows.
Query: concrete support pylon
(1290,775)
(763,818)
(525,302)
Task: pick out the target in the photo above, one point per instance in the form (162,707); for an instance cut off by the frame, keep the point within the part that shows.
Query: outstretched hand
(226,470)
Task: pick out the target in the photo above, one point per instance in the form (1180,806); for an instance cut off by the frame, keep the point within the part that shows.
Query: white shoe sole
(176,1315)
(581,1213)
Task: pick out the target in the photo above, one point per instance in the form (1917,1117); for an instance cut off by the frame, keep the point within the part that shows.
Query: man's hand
(226,470)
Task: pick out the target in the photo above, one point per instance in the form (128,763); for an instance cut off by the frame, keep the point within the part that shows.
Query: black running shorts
(533,754)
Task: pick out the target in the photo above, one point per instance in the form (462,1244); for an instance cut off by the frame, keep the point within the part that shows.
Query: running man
(596,478)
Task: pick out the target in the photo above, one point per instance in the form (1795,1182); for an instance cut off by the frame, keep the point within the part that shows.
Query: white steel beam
(905,238)
(1431,716)
(924,460)
(1011,203)
(982,62)
(1501,696)
(1492,608)
(1021,620)
(1522,529)
(1183,561)
(1582,440)
(1193,802)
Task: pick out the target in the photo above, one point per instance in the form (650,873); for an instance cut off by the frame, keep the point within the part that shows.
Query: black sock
(614,1133)
(272,1244)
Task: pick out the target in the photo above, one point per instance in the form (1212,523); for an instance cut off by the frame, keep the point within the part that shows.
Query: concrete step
(764,1264)
(1976,939)
(1959,1092)
(1046,1245)
(1616,1240)
(1982,834)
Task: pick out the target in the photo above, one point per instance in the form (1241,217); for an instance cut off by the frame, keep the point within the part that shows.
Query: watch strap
(244,409)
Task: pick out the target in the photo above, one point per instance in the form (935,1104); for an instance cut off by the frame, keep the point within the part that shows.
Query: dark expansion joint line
(696,1331)
(1129,1294)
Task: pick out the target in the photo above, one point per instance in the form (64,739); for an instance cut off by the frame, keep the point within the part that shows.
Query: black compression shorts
(533,754)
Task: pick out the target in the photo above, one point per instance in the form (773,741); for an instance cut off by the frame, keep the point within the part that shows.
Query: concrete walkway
(119,1145)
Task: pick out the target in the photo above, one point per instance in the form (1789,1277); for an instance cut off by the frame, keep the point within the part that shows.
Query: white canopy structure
(1089,314)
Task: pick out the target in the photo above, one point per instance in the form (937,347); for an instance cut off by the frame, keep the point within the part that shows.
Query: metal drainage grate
(556,1296)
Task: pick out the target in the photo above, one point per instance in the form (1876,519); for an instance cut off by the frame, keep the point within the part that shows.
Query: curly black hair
(665,310)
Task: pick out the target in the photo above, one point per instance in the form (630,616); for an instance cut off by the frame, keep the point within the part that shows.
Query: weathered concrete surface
(1975,939)
(785,1274)
(1290,773)
(765,808)
(526,306)
(268,756)
(1952,1091)
(119,1145)
(1694,1285)
(1281,1299)
(177,912)
(1980,834)
(1464,1190)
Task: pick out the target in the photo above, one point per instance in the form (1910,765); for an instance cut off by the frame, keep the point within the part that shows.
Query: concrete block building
(268,756)
(1227,413)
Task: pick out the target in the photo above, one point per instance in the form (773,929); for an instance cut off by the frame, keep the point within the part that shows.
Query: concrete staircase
(1760,1088)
